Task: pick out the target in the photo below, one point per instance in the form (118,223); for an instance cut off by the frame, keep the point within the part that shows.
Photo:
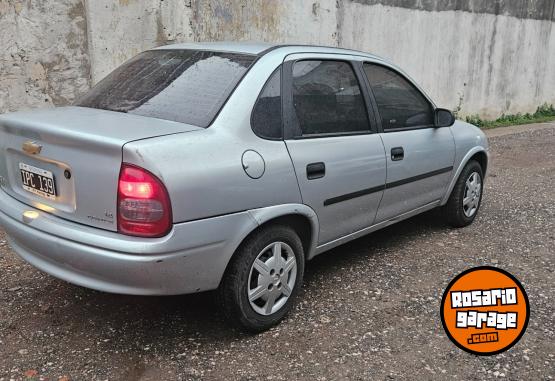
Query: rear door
(338,156)
(420,156)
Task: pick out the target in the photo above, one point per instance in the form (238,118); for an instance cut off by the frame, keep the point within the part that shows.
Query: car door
(338,157)
(420,156)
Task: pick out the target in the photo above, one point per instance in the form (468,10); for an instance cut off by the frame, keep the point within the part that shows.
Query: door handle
(315,170)
(397,153)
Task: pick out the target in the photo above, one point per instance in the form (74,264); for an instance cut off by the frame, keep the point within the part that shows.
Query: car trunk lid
(74,153)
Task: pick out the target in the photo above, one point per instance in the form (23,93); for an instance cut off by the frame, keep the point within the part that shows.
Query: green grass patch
(544,113)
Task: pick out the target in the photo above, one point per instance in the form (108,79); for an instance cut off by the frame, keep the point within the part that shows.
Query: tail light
(144,207)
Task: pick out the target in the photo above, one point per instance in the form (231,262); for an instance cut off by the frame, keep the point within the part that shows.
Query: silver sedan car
(227,166)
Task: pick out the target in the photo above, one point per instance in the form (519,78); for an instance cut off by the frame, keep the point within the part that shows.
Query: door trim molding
(418,177)
(367,191)
(350,196)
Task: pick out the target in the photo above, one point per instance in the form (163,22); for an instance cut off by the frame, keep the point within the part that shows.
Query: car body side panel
(353,164)
(426,151)
(469,140)
(204,174)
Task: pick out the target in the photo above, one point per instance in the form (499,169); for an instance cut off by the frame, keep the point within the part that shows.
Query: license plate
(38,181)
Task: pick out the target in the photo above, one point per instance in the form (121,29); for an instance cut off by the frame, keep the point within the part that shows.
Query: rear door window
(327,98)
(400,104)
(188,86)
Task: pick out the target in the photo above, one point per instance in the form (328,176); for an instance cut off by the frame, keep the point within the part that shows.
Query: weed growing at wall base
(544,113)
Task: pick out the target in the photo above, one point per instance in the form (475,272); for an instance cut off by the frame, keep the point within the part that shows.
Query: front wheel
(263,278)
(466,197)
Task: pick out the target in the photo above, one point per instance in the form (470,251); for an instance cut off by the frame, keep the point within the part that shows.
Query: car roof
(223,46)
(262,48)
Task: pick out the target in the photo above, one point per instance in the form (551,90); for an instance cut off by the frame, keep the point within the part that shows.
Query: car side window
(400,104)
(327,98)
(266,115)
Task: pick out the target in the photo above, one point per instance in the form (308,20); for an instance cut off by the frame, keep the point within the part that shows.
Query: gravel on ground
(368,309)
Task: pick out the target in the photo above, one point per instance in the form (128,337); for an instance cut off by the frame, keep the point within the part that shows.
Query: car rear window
(188,86)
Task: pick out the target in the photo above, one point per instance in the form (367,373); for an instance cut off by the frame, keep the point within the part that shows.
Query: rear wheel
(466,197)
(263,279)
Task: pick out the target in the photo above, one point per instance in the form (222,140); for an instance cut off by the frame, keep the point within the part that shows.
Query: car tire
(465,199)
(263,279)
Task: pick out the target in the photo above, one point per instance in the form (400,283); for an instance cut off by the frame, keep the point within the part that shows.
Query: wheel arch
(300,217)
(482,158)
(481,155)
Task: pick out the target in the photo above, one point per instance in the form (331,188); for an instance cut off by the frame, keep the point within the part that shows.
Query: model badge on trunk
(32,148)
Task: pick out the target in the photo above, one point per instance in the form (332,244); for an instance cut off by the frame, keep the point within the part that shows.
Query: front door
(338,158)
(420,156)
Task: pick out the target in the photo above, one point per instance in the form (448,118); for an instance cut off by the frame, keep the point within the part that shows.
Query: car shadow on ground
(387,239)
(197,317)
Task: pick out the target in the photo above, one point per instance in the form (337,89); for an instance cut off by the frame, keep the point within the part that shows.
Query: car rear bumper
(192,258)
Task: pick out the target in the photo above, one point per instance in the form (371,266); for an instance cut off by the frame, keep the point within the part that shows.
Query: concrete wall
(44,54)
(488,56)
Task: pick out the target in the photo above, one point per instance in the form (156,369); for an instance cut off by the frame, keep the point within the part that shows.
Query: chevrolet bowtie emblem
(32,148)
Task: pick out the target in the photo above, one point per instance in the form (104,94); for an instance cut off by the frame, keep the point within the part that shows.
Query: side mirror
(444,118)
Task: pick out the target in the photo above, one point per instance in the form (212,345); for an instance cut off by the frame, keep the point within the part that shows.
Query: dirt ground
(368,310)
